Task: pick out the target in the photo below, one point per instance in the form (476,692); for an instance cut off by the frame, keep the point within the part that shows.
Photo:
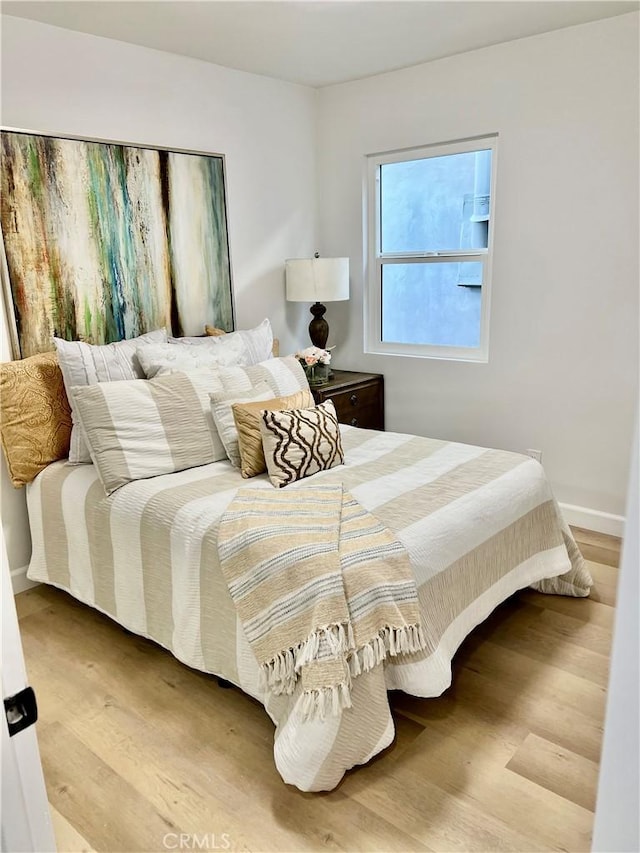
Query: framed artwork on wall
(104,241)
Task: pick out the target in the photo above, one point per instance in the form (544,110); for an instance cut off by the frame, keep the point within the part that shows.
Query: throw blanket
(323,590)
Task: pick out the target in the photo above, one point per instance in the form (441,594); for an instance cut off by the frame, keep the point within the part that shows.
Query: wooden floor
(137,748)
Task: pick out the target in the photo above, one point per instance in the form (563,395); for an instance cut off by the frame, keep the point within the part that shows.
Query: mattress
(478,524)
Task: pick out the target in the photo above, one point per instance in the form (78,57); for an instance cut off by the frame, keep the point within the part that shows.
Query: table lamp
(317,280)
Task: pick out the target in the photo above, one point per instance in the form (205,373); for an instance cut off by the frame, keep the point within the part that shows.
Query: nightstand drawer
(358,406)
(358,398)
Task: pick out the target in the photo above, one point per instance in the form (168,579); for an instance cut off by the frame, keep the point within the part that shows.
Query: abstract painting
(104,241)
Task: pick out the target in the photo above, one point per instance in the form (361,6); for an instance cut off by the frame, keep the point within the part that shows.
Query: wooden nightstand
(358,398)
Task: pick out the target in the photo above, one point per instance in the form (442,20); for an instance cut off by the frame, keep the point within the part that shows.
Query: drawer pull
(354,422)
(353,399)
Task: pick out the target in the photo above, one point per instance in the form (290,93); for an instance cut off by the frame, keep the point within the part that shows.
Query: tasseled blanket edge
(389,641)
(279,675)
(318,703)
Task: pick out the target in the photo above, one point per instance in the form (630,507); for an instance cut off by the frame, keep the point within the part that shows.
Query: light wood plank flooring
(137,748)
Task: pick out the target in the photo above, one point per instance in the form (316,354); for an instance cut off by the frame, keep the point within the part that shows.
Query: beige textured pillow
(142,428)
(300,443)
(35,416)
(247,420)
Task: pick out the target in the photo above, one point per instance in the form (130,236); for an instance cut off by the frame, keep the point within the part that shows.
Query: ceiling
(316,42)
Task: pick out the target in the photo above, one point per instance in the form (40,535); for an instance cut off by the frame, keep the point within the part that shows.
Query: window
(429,250)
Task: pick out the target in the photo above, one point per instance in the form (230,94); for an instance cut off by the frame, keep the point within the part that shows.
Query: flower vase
(316,374)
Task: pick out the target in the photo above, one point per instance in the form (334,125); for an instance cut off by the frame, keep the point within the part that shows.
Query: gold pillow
(213,332)
(247,418)
(35,417)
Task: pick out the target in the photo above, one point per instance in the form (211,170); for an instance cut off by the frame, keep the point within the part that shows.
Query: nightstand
(358,398)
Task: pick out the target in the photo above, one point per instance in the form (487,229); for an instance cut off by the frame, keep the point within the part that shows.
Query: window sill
(463,354)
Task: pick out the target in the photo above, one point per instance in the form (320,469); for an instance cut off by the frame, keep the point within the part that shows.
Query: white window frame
(375,259)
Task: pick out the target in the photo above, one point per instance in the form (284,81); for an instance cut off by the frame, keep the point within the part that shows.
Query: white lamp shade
(317,279)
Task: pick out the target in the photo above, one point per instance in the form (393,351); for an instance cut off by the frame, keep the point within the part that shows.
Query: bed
(475,524)
(478,524)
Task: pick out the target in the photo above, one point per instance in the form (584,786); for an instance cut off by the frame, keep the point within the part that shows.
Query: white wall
(563,364)
(617,825)
(563,369)
(55,80)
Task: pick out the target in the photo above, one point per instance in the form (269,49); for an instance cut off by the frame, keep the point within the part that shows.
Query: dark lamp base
(318,327)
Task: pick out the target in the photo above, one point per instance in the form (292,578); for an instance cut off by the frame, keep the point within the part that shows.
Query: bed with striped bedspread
(478,524)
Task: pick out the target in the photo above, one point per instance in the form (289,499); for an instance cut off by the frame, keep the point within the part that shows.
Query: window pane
(426,304)
(436,204)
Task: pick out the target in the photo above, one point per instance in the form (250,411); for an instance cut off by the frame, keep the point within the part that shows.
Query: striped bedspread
(477,524)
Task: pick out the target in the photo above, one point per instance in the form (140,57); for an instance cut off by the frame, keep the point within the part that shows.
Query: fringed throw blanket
(322,589)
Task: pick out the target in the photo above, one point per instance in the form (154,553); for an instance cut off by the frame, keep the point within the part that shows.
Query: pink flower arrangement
(313,355)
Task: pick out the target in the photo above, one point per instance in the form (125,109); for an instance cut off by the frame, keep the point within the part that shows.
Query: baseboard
(20,581)
(593,519)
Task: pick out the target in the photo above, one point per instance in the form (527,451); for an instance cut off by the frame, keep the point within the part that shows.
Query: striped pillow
(300,442)
(283,375)
(143,428)
(86,364)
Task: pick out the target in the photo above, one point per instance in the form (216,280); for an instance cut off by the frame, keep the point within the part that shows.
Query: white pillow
(258,341)
(86,364)
(143,428)
(165,358)
(221,403)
